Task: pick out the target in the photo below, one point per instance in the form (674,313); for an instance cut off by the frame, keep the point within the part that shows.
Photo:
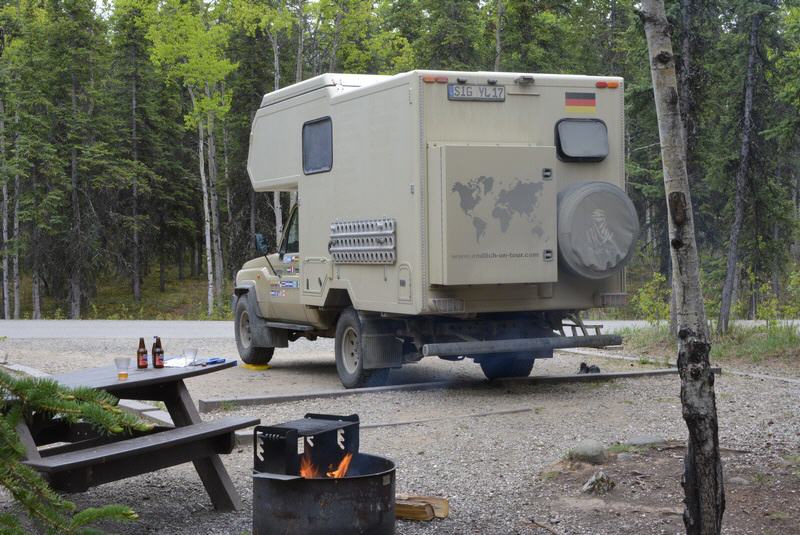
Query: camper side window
(581,140)
(317,146)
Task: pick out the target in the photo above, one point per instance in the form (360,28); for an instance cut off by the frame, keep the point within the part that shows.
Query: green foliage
(771,340)
(144,73)
(23,397)
(651,300)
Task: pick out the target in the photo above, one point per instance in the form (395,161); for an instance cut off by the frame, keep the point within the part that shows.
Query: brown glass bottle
(141,355)
(158,354)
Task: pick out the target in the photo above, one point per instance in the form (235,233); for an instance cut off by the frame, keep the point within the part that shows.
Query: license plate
(483,93)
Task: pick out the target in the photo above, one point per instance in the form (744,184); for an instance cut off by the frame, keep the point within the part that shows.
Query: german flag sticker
(580,102)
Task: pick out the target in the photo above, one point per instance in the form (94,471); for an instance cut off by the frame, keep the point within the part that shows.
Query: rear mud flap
(380,346)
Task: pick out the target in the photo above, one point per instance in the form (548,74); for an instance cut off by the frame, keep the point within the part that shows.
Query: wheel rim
(350,350)
(244,329)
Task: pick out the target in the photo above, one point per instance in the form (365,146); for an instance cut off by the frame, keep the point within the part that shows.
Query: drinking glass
(190,356)
(122,364)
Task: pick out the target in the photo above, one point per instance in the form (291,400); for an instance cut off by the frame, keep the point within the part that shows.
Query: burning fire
(309,471)
(341,470)
(307,468)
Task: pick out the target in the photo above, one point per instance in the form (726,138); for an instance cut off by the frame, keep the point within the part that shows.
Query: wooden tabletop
(105,378)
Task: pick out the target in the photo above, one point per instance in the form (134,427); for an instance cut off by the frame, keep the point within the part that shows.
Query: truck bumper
(452,349)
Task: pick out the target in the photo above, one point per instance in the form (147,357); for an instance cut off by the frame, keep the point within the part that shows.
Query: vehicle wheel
(349,361)
(496,366)
(244,338)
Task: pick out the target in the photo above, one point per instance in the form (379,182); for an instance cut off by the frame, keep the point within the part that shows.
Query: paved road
(178,329)
(114,328)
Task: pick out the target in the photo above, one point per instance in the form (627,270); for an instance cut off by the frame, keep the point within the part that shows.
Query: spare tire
(597,229)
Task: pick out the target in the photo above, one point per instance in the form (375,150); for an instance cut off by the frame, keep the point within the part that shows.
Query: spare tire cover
(597,229)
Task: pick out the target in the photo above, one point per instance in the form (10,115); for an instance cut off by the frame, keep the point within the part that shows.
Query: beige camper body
(438,197)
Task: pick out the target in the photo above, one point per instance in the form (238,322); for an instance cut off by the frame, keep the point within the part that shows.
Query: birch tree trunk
(276,195)
(498,34)
(702,479)
(6,302)
(206,215)
(301,26)
(741,177)
(216,240)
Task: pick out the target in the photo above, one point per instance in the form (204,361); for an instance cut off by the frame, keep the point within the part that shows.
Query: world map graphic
(485,202)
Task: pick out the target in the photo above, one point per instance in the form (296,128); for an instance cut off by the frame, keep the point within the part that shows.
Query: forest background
(124,129)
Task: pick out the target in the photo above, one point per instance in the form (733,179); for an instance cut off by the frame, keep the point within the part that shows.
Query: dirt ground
(494,450)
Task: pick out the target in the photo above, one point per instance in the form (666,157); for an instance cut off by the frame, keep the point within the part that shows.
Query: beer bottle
(158,354)
(141,355)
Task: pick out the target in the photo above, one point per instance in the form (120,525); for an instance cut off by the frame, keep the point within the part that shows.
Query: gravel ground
(487,466)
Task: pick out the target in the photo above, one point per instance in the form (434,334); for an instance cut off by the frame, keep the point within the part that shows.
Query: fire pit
(309,478)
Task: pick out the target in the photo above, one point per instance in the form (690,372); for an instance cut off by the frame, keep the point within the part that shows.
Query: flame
(307,468)
(341,470)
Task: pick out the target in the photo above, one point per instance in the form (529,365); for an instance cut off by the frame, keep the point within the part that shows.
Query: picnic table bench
(84,459)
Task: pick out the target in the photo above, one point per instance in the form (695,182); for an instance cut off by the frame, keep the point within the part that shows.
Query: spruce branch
(25,397)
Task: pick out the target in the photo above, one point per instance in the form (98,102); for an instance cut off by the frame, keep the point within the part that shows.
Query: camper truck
(450,214)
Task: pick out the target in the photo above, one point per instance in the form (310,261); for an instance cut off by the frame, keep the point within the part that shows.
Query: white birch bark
(216,240)
(702,480)
(206,215)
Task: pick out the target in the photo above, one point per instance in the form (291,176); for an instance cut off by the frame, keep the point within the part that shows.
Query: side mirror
(261,244)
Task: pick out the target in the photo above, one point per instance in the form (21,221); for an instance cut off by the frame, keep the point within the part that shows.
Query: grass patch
(184,299)
(624,448)
(547,476)
(771,341)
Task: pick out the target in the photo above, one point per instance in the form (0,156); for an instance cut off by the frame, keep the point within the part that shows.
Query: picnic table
(83,458)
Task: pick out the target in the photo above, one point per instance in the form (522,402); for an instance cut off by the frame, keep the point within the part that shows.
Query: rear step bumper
(452,349)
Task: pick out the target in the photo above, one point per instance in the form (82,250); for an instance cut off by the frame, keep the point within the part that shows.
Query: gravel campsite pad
(496,451)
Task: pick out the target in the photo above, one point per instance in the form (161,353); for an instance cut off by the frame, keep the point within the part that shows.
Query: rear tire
(499,365)
(349,359)
(244,337)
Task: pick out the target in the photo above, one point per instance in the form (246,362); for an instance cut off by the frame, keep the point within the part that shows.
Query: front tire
(349,354)
(497,366)
(244,336)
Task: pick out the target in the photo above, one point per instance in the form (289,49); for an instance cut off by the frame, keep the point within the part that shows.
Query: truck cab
(439,213)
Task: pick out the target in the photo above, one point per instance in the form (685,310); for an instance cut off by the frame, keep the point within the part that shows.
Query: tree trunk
(180,261)
(301,25)
(228,197)
(216,239)
(276,195)
(741,177)
(15,258)
(206,214)
(75,271)
(4,178)
(702,479)
(337,23)
(195,258)
(136,275)
(498,34)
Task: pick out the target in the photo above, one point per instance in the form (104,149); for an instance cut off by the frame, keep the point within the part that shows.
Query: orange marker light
(441,80)
(428,79)
(613,85)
